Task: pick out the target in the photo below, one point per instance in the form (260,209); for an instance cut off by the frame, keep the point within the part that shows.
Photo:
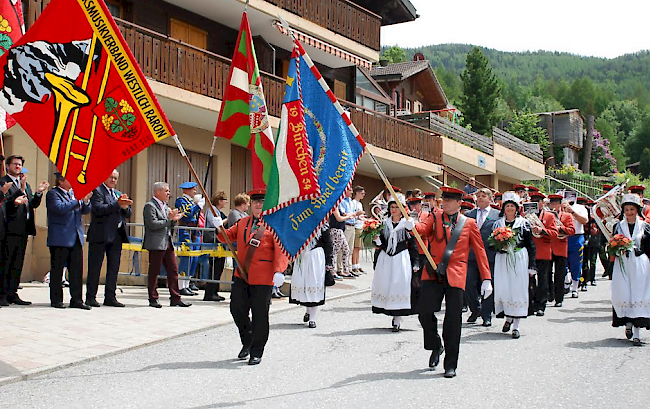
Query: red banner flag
(73,85)
(12,27)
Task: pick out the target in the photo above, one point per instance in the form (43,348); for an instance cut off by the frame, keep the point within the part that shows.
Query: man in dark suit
(110,209)
(65,238)
(19,206)
(159,221)
(3,191)
(485,217)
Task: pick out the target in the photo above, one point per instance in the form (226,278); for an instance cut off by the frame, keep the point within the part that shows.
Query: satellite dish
(418,57)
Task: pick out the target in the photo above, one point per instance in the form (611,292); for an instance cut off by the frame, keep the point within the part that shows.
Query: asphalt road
(570,358)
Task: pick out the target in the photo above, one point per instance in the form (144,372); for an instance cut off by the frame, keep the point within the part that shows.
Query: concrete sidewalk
(38,338)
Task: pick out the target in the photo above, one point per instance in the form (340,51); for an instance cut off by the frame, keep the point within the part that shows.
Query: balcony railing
(530,150)
(340,16)
(390,133)
(181,65)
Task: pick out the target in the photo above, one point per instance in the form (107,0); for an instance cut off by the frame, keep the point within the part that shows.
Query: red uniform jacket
(421,218)
(543,244)
(561,247)
(469,237)
(646,213)
(268,258)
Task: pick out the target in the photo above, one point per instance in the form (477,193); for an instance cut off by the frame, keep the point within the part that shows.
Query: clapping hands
(174,214)
(124,201)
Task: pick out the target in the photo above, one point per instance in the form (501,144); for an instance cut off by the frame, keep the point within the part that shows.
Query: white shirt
(356,206)
(580,210)
(162,205)
(481,215)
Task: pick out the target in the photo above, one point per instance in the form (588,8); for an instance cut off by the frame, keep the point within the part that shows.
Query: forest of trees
(615,91)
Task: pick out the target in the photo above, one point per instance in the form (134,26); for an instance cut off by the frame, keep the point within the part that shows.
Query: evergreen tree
(644,165)
(480,92)
(524,126)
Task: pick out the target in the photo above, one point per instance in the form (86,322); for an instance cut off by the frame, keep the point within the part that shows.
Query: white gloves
(278,279)
(486,289)
(409,223)
(532,272)
(217,221)
(415,269)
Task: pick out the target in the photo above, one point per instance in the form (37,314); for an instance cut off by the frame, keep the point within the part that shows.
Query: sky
(584,27)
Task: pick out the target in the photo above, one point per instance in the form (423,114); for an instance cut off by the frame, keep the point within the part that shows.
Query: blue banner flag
(337,148)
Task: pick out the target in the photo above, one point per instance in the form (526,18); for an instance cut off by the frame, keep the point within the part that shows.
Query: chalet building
(566,130)
(184,49)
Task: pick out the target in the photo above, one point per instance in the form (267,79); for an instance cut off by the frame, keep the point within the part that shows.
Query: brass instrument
(559,225)
(534,221)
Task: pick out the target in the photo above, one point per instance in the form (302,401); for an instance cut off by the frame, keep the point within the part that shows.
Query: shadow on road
(362,331)
(485,336)
(601,343)
(579,319)
(289,325)
(225,364)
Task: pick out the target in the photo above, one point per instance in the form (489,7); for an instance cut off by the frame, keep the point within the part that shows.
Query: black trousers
(604,260)
(255,299)
(216,270)
(473,291)
(556,279)
(13,249)
(589,264)
(539,286)
(430,303)
(73,258)
(96,252)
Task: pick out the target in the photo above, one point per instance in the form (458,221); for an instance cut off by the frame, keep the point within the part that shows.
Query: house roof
(566,111)
(391,11)
(401,71)
(366,73)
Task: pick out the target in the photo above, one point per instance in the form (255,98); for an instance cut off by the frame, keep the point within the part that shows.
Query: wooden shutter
(241,177)
(340,90)
(188,33)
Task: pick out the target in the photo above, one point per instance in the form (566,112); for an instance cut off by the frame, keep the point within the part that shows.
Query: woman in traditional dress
(308,278)
(512,268)
(631,276)
(395,260)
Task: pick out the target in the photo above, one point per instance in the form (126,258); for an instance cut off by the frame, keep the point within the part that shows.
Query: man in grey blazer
(159,221)
(485,217)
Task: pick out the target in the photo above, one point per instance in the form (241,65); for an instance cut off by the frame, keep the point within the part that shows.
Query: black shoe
(515,334)
(584,288)
(395,328)
(93,303)
(506,326)
(58,305)
(312,324)
(179,303)
(243,354)
(193,287)
(155,304)
(16,300)
(279,293)
(473,317)
(464,309)
(450,373)
(540,313)
(4,302)
(220,298)
(80,305)
(305,318)
(113,303)
(212,298)
(593,283)
(636,342)
(567,291)
(487,323)
(628,333)
(434,359)
(558,304)
(275,294)
(255,360)
(186,292)
(574,294)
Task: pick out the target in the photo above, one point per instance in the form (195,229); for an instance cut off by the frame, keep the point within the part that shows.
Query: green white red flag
(244,118)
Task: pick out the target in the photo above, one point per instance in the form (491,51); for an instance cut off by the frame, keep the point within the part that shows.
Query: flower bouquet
(371,229)
(620,246)
(504,239)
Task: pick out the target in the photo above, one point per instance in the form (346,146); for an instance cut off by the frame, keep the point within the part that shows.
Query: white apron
(631,286)
(511,284)
(308,278)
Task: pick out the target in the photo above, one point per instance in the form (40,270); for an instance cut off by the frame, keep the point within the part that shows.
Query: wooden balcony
(340,16)
(390,133)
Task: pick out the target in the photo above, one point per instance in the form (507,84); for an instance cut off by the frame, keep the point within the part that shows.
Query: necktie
(481,217)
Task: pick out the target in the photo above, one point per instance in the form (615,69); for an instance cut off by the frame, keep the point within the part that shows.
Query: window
(115,8)
(417,107)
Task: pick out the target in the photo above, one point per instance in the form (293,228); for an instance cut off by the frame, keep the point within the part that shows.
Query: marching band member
(396,262)
(602,252)
(512,270)
(415,203)
(542,237)
(264,264)
(308,278)
(559,248)
(520,190)
(645,210)
(190,210)
(576,242)
(631,275)
(592,246)
(498,200)
(450,236)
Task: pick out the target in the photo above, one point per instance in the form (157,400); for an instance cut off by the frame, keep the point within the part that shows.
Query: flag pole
(222,230)
(389,186)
